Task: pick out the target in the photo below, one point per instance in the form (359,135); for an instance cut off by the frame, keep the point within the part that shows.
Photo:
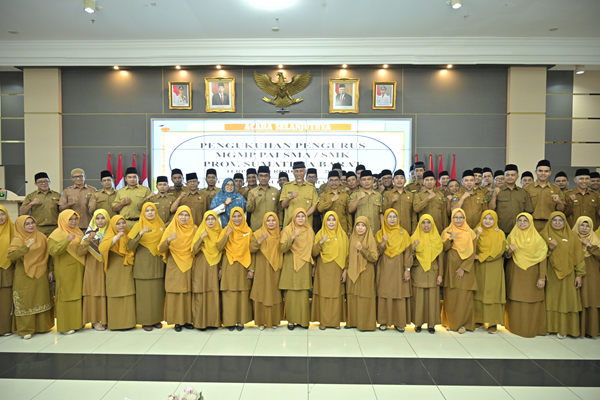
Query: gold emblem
(281,90)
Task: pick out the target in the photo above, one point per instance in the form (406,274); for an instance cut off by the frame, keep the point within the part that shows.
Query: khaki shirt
(509,204)
(82,196)
(198,203)
(371,206)
(340,207)
(403,206)
(209,193)
(46,213)
(413,187)
(307,197)
(541,199)
(163,205)
(137,194)
(474,205)
(246,189)
(584,205)
(325,187)
(435,207)
(105,201)
(267,201)
(177,191)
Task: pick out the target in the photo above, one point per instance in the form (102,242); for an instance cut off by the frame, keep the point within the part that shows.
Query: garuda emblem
(281,90)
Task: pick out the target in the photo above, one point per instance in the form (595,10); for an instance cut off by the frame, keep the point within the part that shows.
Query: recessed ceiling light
(271,4)
(455,4)
(218,67)
(280,66)
(553,29)
(116,67)
(385,65)
(177,67)
(449,66)
(580,69)
(344,66)
(89,6)
(13,32)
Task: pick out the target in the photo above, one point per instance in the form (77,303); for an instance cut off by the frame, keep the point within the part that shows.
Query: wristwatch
(408,269)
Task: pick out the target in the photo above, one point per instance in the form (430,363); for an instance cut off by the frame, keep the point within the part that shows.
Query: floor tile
(385,346)
(541,393)
(78,343)
(333,346)
(437,347)
(127,344)
(9,360)
(74,390)
(477,333)
(241,345)
(341,392)
(141,390)
(314,330)
(44,366)
(282,346)
(586,393)
(396,392)
(586,348)
(23,389)
(14,343)
(544,349)
(172,344)
(397,371)
(278,370)
(212,390)
(572,372)
(471,392)
(518,373)
(282,330)
(156,368)
(109,367)
(218,369)
(458,372)
(254,391)
(486,348)
(336,370)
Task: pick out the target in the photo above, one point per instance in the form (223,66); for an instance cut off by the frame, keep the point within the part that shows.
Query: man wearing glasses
(42,204)
(77,197)
(103,199)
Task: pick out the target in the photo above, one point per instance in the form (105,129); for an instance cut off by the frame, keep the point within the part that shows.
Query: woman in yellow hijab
(393,273)
(360,285)
(148,268)
(175,246)
(94,279)
(460,282)
(330,248)
(267,261)
(566,267)
(31,292)
(525,279)
(490,296)
(426,274)
(206,307)
(7,271)
(118,265)
(296,244)
(68,267)
(235,273)
(590,295)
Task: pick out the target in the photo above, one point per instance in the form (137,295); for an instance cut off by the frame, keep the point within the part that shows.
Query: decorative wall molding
(421,51)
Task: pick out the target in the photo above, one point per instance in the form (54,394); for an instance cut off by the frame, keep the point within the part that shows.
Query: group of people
(370,251)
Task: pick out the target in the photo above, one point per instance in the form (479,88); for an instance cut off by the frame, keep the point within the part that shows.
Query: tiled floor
(299,364)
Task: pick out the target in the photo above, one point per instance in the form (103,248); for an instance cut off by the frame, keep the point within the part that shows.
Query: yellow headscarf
(356,262)
(120,247)
(592,237)
(7,232)
(398,237)
(180,247)
(531,247)
(95,234)
(209,247)
(430,243)
(35,261)
(302,246)
(270,246)
(463,242)
(491,240)
(238,245)
(335,247)
(149,240)
(568,253)
(63,231)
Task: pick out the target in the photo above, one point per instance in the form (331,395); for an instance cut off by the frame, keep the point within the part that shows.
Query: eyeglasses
(459,218)
(29,223)
(47,181)
(77,177)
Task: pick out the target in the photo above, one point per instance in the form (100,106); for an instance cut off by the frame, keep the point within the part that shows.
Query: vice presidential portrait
(343,95)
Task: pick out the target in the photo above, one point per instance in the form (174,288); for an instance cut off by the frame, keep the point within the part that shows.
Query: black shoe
(418,329)
(239,327)
(303,327)
(177,328)
(347,327)
(431,330)
(291,327)
(202,329)
(232,328)
(401,330)
(588,336)
(188,326)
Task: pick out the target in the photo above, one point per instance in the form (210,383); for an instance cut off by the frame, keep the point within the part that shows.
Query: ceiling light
(580,69)
(344,66)
(218,67)
(553,29)
(449,66)
(271,4)
(13,32)
(280,66)
(177,67)
(456,4)
(385,65)
(89,6)
(116,67)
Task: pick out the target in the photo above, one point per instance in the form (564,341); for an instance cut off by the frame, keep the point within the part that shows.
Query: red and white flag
(144,173)
(440,169)
(453,172)
(431,163)
(133,162)
(120,181)
(109,165)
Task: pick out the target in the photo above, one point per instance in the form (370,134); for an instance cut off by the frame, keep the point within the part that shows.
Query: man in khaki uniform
(251,182)
(210,190)
(401,200)
(263,199)
(337,167)
(352,183)
(311,177)
(103,199)
(238,179)
(298,194)
(487,179)
(443,179)
(387,181)
(194,199)
(334,199)
(177,179)
(431,201)
(545,197)
(162,200)
(595,182)
(562,181)
(471,199)
(282,179)
(526,178)
(367,202)
(498,178)
(509,200)
(359,169)
(583,202)
(42,204)
(129,198)
(478,175)
(77,197)
(417,184)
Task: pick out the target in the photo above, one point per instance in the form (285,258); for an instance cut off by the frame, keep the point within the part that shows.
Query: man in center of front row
(194,199)
(129,198)
(263,199)
(471,199)
(367,202)
(431,201)
(298,194)
(509,200)
(545,197)
(401,200)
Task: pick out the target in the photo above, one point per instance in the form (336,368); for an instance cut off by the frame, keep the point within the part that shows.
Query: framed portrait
(220,94)
(343,95)
(180,95)
(384,95)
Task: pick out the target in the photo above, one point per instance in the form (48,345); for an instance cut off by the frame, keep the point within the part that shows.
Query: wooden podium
(12,202)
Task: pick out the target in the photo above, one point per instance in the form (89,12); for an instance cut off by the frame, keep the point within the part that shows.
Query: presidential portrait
(180,95)
(220,94)
(343,95)
(384,95)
